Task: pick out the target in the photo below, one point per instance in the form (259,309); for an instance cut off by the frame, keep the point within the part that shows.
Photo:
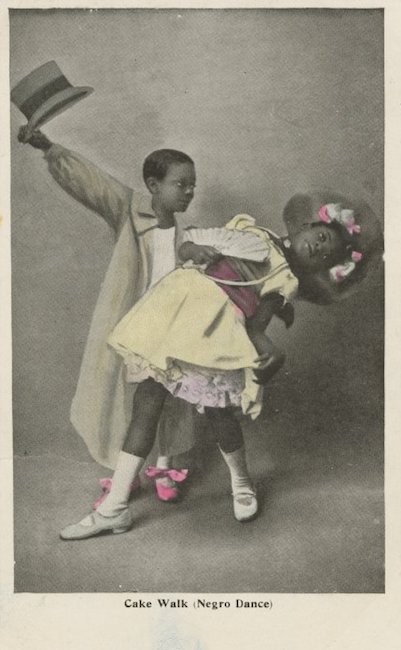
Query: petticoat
(199,386)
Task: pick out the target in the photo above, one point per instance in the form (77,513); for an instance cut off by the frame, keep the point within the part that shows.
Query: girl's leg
(231,444)
(227,429)
(113,514)
(166,488)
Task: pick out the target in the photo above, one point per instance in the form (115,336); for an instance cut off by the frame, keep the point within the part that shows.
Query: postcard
(200,376)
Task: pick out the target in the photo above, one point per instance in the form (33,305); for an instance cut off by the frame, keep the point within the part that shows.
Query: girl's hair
(157,163)
(366,240)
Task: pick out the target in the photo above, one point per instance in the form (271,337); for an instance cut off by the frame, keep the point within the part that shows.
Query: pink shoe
(106,483)
(166,482)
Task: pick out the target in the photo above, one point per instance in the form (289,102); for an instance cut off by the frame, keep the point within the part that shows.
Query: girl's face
(316,248)
(176,190)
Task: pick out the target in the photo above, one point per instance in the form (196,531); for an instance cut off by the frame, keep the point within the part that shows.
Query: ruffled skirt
(187,334)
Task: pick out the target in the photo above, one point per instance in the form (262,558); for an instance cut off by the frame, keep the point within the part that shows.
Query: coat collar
(144,206)
(143,215)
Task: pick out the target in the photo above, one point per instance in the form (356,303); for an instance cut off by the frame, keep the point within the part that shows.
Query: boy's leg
(231,444)
(113,513)
(146,409)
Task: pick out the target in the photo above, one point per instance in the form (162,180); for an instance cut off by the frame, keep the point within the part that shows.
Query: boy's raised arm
(84,181)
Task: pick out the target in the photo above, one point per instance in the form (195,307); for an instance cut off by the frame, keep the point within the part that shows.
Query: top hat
(44,93)
(361,233)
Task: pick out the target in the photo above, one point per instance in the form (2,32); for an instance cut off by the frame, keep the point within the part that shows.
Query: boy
(145,239)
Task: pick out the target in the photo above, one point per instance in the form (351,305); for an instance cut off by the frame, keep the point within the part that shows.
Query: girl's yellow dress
(188,334)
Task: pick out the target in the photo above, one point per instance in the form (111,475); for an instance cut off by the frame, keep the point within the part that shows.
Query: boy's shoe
(245,505)
(106,483)
(96,523)
(166,482)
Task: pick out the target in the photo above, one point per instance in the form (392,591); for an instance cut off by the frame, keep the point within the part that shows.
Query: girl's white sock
(236,462)
(163,462)
(127,468)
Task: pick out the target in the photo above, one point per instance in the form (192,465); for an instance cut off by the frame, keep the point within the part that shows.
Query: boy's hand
(199,254)
(36,139)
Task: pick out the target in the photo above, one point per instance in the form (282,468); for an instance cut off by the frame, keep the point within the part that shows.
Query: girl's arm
(271,304)
(270,357)
(84,181)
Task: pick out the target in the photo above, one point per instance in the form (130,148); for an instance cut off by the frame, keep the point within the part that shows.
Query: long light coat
(102,406)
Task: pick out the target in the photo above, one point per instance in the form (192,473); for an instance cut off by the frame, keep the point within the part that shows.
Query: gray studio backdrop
(267,103)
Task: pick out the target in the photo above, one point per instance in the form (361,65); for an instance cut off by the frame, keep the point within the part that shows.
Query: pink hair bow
(334,212)
(340,272)
(177,475)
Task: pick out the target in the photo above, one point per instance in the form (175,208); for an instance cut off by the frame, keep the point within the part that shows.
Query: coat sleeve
(89,185)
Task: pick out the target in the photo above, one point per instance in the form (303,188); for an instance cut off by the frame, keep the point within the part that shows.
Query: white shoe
(96,523)
(245,504)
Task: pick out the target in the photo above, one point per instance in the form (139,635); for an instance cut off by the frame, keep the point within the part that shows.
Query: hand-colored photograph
(197,218)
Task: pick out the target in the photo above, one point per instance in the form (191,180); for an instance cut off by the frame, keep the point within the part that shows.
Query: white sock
(127,468)
(236,462)
(163,462)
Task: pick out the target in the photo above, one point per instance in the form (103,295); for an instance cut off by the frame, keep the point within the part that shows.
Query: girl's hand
(286,314)
(269,365)
(269,305)
(36,139)
(273,305)
(202,255)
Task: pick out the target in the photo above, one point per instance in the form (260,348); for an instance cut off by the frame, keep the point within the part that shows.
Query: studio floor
(320,528)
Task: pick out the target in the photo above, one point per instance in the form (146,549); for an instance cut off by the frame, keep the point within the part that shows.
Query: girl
(188,338)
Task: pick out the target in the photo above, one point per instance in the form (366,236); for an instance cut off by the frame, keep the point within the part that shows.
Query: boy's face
(176,190)
(317,248)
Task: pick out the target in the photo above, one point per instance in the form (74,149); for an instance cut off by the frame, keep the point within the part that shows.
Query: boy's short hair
(157,163)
